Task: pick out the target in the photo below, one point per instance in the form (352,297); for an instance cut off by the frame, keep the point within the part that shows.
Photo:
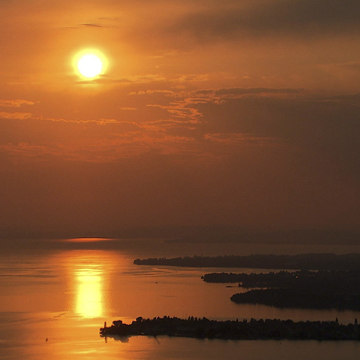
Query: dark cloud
(285,17)
(92,25)
(324,126)
(355,65)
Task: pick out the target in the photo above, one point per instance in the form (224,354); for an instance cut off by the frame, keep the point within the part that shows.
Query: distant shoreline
(293,262)
(234,330)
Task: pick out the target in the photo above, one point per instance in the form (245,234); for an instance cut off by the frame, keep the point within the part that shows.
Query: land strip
(293,262)
(234,330)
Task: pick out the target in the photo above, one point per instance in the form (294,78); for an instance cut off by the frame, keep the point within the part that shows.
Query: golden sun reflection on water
(89,294)
(88,272)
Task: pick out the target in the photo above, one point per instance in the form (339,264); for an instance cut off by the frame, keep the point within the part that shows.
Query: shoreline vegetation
(203,328)
(286,262)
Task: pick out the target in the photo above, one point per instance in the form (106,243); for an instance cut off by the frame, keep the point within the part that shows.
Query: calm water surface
(52,304)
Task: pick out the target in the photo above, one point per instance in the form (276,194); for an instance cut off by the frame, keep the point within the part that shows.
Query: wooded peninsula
(334,289)
(234,330)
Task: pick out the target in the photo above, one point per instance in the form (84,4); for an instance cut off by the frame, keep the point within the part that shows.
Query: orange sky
(211,113)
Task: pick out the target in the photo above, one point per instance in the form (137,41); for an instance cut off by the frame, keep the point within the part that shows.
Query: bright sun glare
(90,64)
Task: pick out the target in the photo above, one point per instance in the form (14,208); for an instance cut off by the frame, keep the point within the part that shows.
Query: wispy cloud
(219,117)
(128,109)
(255,91)
(235,93)
(181,110)
(15,115)
(242,138)
(15,103)
(103,121)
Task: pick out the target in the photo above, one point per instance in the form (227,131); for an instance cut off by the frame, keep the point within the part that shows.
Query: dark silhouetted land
(335,283)
(335,289)
(235,330)
(302,261)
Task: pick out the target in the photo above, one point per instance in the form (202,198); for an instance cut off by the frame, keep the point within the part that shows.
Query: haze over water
(54,301)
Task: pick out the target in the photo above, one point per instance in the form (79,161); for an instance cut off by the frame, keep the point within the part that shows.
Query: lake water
(53,300)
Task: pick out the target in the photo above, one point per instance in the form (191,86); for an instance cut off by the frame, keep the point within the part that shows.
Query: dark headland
(234,330)
(334,289)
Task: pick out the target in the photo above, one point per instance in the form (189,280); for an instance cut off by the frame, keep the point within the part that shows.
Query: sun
(90,64)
